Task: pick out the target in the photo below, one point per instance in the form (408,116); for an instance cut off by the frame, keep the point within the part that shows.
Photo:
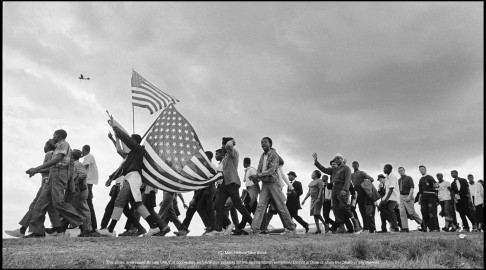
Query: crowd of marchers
(67,183)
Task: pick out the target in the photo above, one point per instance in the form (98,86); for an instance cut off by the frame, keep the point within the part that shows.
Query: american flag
(146,95)
(175,160)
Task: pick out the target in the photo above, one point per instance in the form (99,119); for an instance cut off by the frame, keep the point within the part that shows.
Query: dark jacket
(134,159)
(293,199)
(463,193)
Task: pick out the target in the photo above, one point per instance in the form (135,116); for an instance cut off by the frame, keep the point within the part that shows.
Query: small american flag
(146,95)
(175,160)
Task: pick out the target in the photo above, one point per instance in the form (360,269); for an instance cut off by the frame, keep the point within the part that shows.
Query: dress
(314,188)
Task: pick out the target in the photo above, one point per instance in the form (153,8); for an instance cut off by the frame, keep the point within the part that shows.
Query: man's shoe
(465,229)
(215,233)
(445,229)
(229,229)
(50,230)
(382,231)
(182,232)
(166,230)
(405,230)
(85,234)
(372,231)
(340,230)
(52,235)
(125,233)
(288,232)
(15,233)
(92,233)
(326,228)
(240,232)
(138,232)
(151,232)
(105,232)
(35,235)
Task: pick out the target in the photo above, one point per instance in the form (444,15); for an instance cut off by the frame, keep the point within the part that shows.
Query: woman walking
(316,189)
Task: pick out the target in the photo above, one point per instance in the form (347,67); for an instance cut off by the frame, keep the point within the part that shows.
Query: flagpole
(155,121)
(133,109)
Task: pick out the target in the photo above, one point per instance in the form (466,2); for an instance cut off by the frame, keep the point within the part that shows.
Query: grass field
(412,250)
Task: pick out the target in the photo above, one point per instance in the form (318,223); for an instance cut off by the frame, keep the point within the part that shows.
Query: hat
(338,155)
(381,176)
(292,173)
(226,139)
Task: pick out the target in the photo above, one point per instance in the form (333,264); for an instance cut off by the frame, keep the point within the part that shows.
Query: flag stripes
(146,95)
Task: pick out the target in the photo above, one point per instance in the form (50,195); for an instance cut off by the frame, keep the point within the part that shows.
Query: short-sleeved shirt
(406,184)
(230,168)
(392,182)
(444,192)
(477,192)
(62,147)
(249,172)
(92,169)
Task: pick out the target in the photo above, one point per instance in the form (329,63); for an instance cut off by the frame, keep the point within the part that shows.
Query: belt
(429,192)
(404,194)
(60,166)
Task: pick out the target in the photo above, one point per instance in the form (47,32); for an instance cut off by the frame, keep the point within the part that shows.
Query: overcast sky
(398,83)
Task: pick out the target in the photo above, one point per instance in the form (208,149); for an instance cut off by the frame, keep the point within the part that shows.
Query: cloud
(398,83)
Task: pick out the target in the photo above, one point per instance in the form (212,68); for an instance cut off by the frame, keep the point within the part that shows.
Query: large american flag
(175,160)
(146,95)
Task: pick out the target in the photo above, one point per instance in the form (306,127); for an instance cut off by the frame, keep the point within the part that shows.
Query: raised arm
(320,167)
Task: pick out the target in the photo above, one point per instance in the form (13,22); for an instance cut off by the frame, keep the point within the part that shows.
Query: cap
(381,176)
(292,173)
(338,155)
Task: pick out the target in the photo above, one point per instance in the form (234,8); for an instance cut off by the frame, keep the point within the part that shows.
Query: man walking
(58,178)
(230,188)
(130,187)
(477,197)
(267,173)
(428,200)
(391,198)
(341,180)
(293,200)
(407,201)
(445,201)
(357,178)
(252,189)
(89,163)
(460,188)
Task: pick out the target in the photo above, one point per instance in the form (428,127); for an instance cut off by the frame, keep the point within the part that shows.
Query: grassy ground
(413,250)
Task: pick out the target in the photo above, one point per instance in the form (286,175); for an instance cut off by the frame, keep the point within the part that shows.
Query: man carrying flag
(131,171)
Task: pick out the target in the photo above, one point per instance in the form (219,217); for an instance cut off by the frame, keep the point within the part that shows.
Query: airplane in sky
(82,77)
